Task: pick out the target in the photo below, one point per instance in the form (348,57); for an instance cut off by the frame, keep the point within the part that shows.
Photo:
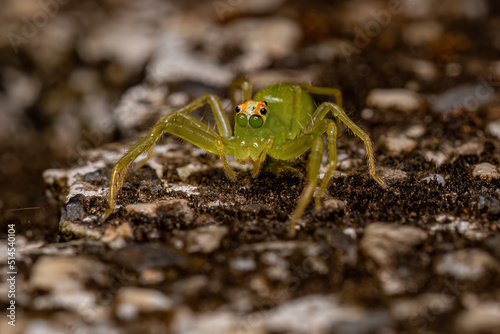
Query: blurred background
(80,74)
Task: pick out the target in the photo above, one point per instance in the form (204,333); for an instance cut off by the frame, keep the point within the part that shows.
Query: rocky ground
(187,250)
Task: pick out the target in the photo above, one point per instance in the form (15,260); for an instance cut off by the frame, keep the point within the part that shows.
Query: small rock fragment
(310,314)
(265,39)
(178,208)
(131,301)
(205,239)
(70,230)
(74,208)
(437,157)
(401,99)
(415,131)
(485,170)
(399,145)
(137,106)
(382,242)
(392,174)
(191,286)
(243,264)
(493,128)
(175,61)
(413,309)
(65,273)
(333,205)
(437,177)
(116,236)
(470,148)
(489,204)
(186,321)
(467,264)
(469,97)
(484,318)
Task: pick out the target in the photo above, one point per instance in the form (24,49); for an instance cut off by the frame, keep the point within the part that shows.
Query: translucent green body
(280,121)
(284,122)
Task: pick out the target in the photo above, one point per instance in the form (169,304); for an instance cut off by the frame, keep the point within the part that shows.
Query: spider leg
(294,148)
(340,114)
(185,126)
(336,93)
(331,133)
(262,156)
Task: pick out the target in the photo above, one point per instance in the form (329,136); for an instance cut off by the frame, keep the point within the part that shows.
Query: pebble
(333,205)
(400,99)
(131,45)
(437,157)
(423,69)
(384,243)
(276,37)
(70,230)
(265,39)
(310,314)
(116,236)
(151,276)
(469,148)
(493,128)
(131,301)
(485,170)
(176,61)
(392,174)
(399,145)
(415,131)
(66,273)
(177,208)
(138,106)
(470,96)
(212,322)
(484,318)
(205,239)
(413,309)
(436,177)
(74,208)
(243,264)
(191,286)
(83,303)
(467,264)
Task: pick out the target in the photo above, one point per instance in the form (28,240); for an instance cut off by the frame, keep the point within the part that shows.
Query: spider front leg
(336,93)
(185,126)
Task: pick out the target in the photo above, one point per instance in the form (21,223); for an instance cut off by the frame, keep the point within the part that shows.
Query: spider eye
(242,120)
(256,121)
(263,111)
(237,109)
(265,102)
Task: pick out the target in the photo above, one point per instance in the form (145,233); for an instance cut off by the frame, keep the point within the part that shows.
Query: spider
(280,121)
